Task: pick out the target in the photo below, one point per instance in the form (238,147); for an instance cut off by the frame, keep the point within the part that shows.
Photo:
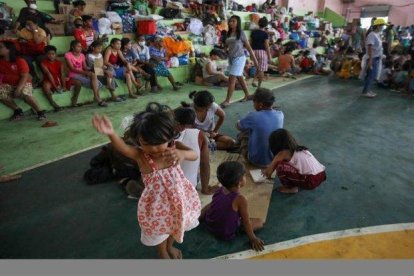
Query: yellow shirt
(28,35)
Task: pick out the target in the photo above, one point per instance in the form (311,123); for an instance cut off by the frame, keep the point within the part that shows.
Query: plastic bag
(174,62)
(195,26)
(183,60)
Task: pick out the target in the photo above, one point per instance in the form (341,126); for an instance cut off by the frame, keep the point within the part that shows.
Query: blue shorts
(237,66)
(85,81)
(120,72)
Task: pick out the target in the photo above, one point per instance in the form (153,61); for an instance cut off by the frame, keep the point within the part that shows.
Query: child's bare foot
(175,253)
(286,190)
(164,255)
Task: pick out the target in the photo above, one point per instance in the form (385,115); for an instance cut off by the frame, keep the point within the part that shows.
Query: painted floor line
(57,159)
(317,238)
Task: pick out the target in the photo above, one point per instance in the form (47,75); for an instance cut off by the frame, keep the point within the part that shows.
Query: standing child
(222,216)
(257,126)
(53,78)
(169,204)
(260,46)
(296,167)
(104,73)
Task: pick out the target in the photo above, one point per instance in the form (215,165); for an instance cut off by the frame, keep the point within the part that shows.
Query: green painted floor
(31,144)
(365,144)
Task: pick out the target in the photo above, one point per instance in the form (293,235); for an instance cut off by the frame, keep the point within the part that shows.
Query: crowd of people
(168,150)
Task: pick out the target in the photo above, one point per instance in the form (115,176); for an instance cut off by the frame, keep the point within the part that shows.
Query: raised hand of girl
(102,124)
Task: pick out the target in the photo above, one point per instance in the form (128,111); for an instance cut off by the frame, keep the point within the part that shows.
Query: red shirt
(10,72)
(54,67)
(80,36)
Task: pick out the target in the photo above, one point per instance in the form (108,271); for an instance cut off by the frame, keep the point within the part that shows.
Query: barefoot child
(169,204)
(53,77)
(296,167)
(257,126)
(222,216)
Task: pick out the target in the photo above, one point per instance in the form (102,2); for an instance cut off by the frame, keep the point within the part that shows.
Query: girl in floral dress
(169,204)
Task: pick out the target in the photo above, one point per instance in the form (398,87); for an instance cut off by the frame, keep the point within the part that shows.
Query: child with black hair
(169,204)
(105,74)
(53,77)
(78,71)
(206,110)
(260,45)
(211,76)
(197,141)
(306,62)
(296,167)
(400,77)
(257,126)
(222,216)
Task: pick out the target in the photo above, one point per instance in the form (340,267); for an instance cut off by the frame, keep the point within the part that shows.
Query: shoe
(369,95)
(17,115)
(41,115)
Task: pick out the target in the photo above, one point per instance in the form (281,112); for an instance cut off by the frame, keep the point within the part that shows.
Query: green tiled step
(181,74)
(42,5)
(62,43)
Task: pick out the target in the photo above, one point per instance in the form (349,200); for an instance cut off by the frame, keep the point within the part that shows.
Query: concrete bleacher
(181,73)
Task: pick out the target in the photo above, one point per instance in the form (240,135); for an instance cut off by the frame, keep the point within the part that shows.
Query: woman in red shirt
(15,81)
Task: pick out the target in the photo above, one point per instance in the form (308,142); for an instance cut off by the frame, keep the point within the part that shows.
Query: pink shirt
(306,163)
(77,62)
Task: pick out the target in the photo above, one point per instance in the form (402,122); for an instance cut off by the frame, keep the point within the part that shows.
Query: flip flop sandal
(50,124)
(224,105)
(102,104)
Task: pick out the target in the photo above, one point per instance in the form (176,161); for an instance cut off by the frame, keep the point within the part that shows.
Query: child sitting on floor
(296,167)
(222,216)
(257,126)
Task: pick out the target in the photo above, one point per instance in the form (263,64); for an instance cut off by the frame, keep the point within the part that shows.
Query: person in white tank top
(296,167)
(197,141)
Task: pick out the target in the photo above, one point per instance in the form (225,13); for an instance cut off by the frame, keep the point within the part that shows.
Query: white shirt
(374,40)
(213,67)
(209,122)
(306,163)
(189,137)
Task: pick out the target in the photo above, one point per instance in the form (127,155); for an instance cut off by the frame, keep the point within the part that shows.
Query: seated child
(206,110)
(400,77)
(158,56)
(386,75)
(105,74)
(143,62)
(222,216)
(197,141)
(210,74)
(78,71)
(296,167)
(306,62)
(257,126)
(53,77)
(319,65)
(287,63)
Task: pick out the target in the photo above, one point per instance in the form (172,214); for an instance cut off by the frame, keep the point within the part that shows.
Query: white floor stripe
(57,159)
(319,237)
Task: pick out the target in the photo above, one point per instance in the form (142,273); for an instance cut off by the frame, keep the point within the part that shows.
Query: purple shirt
(220,218)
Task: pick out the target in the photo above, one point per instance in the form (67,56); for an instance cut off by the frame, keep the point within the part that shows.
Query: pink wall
(401,12)
(304,5)
(335,5)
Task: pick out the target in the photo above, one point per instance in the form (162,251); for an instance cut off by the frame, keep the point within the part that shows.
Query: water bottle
(212,147)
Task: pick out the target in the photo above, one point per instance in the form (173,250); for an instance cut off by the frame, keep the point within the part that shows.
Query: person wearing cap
(257,126)
(374,54)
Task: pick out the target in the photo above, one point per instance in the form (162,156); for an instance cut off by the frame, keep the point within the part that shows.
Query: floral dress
(168,206)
